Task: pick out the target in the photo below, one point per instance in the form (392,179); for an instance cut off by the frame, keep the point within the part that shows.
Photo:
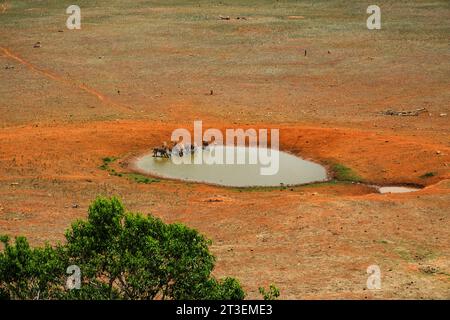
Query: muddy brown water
(292,170)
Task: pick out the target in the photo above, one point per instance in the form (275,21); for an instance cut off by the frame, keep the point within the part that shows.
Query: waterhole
(287,169)
(396,189)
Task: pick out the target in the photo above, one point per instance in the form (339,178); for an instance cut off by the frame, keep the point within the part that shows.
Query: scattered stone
(74,206)
(229,18)
(429,269)
(9,67)
(390,112)
(37,45)
(14,183)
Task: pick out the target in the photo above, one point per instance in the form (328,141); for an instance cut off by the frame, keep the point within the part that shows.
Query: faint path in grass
(53,76)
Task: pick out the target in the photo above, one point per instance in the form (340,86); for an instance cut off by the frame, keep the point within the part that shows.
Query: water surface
(396,189)
(292,170)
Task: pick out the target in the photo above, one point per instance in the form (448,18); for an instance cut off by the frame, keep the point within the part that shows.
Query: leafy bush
(272,294)
(121,255)
(27,273)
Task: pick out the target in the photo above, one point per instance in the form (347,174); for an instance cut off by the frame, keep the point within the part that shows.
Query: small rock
(74,206)
(438,152)
(37,45)
(442,115)
(429,269)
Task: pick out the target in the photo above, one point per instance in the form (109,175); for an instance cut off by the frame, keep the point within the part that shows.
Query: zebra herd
(178,148)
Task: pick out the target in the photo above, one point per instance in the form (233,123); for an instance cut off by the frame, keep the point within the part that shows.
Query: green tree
(30,273)
(121,255)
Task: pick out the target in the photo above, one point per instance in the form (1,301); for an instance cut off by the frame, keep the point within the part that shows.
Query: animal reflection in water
(179,149)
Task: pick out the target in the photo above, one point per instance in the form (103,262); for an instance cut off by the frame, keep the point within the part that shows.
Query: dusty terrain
(135,72)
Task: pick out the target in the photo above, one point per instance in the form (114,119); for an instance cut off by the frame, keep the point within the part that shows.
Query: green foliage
(343,173)
(108,160)
(121,255)
(139,178)
(136,177)
(27,273)
(272,294)
(428,175)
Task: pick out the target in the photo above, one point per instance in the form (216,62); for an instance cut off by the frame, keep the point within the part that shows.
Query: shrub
(272,294)
(121,255)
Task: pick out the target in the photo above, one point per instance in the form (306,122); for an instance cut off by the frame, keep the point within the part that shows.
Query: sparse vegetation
(136,177)
(272,294)
(343,173)
(428,175)
(139,178)
(416,255)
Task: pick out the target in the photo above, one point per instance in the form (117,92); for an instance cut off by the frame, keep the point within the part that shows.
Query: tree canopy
(121,255)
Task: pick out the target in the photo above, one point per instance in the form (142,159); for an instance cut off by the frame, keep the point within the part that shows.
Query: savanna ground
(139,69)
